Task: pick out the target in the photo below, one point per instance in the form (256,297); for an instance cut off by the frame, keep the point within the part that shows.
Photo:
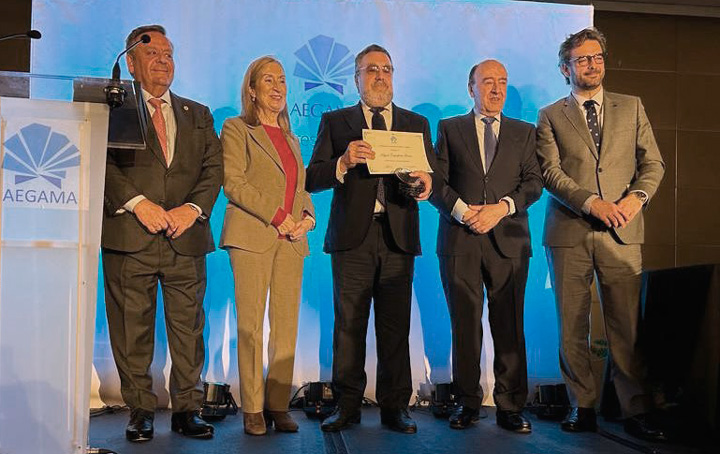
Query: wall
(15,18)
(672,63)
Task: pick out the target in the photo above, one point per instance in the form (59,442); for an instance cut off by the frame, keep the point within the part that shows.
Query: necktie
(490,141)
(593,123)
(378,122)
(159,123)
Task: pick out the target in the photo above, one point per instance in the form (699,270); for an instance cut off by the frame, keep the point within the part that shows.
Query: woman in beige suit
(267,216)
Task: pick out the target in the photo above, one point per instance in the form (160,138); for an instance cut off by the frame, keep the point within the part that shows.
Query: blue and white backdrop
(433,44)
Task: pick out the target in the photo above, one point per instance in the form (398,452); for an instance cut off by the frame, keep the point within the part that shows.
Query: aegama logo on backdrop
(41,165)
(322,62)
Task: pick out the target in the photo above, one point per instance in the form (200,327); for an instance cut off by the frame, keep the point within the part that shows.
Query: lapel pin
(186,108)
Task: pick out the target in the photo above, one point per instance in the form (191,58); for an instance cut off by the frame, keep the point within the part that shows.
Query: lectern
(53,141)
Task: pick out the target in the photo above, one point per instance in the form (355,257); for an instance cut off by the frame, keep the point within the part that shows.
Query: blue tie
(490,142)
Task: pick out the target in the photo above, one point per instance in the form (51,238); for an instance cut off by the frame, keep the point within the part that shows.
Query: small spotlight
(218,402)
(550,402)
(319,400)
(442,400)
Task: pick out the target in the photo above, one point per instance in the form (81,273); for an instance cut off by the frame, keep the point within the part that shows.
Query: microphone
(144,39)
(31,34)
(115,93)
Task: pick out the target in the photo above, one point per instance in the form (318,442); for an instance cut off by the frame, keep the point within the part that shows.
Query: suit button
(600,170)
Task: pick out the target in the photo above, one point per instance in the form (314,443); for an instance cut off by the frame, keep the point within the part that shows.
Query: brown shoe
(254,423)
(282,420)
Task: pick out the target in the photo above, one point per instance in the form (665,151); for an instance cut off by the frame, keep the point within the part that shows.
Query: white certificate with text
(396,150)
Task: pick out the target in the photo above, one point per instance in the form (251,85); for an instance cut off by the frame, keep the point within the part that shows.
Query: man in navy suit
(373,237)
(490,176)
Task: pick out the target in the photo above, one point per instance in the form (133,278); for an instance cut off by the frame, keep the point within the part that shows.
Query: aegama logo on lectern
(36,163)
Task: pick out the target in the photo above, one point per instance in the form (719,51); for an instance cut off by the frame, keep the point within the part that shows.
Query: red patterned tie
(159,123)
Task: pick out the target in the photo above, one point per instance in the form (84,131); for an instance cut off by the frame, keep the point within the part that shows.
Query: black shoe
(463,417)
(398,420)
(140,427)
(513,421)
(340,419)
(580,419)
(190,424)
(640,426)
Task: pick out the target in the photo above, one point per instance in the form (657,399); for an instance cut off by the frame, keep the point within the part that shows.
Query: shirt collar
(165,96)
(366,108)
(480,116)
(598,98)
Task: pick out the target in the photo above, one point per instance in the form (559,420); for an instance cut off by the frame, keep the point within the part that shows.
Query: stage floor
(434,436)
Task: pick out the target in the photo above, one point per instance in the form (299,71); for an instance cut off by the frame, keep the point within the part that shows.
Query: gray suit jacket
(573,169)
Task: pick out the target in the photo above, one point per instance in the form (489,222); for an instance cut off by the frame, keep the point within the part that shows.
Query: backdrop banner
(433,46)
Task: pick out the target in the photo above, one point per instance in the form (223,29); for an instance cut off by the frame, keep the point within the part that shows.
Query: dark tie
(490,141)
(593,123)
(378,122)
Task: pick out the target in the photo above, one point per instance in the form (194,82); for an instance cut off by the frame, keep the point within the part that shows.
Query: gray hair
(367,50)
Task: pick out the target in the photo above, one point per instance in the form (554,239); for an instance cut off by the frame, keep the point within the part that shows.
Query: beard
(380,95)
(588,84)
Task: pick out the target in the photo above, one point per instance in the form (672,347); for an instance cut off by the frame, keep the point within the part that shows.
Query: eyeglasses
(584,60)
(374,70)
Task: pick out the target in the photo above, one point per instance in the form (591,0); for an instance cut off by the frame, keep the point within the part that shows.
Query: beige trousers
(279,273)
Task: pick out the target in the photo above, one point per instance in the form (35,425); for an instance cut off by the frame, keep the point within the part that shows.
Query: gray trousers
(131,281)
(619,271)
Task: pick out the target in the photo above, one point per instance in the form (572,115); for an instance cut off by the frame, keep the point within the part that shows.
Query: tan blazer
(254,185)
(573,169)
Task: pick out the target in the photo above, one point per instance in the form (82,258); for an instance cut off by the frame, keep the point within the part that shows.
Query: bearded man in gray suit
(601,165)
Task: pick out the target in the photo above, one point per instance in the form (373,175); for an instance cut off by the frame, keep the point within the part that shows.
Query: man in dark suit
(373,237)
(490,176)
(155,228)
(601,165)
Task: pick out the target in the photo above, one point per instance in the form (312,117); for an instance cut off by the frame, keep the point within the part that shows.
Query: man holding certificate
(488,177)
(372,236)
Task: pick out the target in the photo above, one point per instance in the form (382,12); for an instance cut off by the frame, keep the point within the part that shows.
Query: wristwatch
(641,196)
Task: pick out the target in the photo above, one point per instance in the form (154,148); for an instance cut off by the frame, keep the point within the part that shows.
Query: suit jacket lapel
(258,134)
(400,122)
(504,139)
(468,131)
(183,128)
(153,143)
(572,112)
(295,147)
(609,120)
(356,121)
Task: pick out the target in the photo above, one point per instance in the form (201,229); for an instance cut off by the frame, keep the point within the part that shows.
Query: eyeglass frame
(385,69)
(586,59)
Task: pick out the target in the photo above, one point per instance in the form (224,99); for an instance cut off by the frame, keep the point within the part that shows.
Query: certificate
(396,150)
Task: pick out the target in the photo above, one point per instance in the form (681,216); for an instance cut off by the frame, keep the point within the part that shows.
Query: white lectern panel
(52,157)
